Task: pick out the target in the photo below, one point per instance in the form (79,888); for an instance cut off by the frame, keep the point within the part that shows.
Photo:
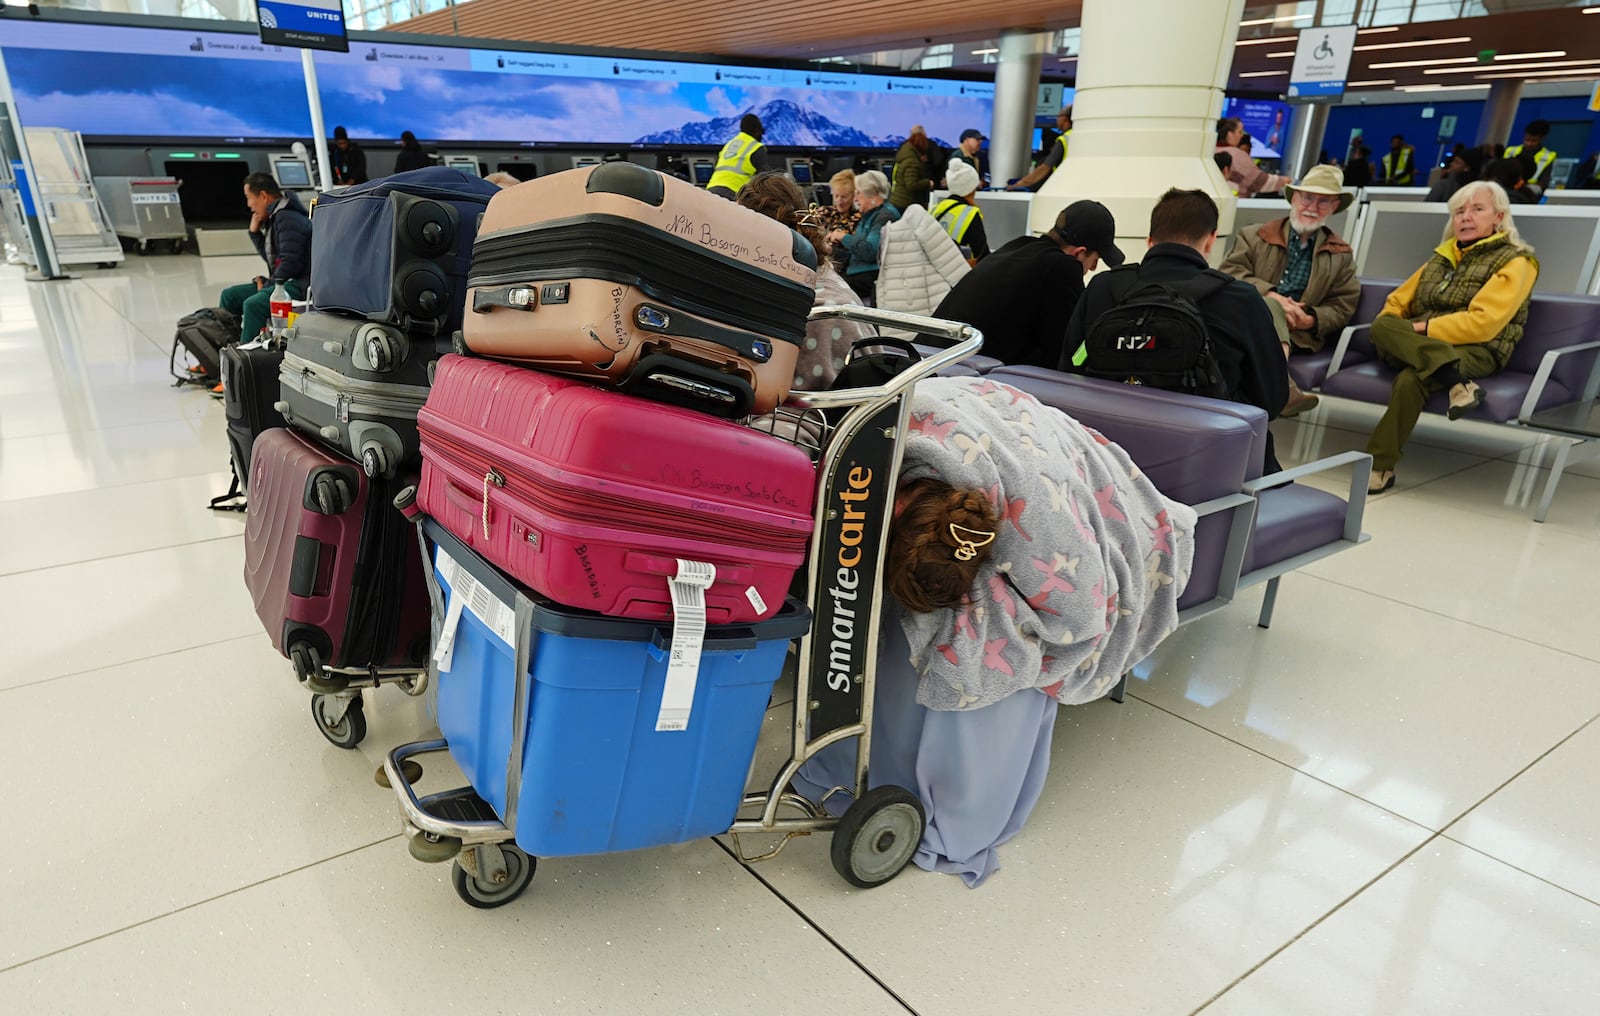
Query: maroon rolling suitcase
(591,496)
(333,568)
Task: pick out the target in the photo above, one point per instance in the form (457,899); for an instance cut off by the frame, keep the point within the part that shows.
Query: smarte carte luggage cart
(495,829)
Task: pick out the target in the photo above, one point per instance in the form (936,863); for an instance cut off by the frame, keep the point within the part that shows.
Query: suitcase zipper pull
(495,479)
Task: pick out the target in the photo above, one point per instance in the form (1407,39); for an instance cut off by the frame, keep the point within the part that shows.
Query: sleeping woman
(1030,565)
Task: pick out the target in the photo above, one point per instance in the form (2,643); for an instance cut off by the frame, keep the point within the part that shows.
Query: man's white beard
(1301,228)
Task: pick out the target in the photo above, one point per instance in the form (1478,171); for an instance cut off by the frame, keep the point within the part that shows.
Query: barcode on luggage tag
(498,616)
(688,639)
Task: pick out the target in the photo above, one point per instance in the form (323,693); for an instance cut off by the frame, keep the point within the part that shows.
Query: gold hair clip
(812,216)
(967,546)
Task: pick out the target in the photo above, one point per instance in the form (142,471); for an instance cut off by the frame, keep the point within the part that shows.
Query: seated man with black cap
(1239,328)
(1021,295)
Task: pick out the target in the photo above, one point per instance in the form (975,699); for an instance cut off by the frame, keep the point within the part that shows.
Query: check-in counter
(1005,213)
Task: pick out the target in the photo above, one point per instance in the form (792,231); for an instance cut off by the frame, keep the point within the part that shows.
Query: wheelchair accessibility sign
(1322,62)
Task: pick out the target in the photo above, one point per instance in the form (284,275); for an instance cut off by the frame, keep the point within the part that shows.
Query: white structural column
(1016,90)
(1150,80)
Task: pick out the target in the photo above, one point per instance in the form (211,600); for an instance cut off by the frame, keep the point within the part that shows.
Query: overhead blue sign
(305,24)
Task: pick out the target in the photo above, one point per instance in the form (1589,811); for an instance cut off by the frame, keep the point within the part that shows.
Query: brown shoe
(1464,398)
(1299,401)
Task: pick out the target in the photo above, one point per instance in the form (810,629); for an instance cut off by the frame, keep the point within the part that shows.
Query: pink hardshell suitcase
(333,568)
(590,496)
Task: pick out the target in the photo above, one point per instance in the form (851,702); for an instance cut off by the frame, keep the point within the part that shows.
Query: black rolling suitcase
(356,386)
(249,389)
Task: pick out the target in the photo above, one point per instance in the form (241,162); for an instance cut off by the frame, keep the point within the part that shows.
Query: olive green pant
(1418,358)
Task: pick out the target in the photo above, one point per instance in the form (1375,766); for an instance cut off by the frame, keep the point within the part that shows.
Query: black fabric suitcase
(356,386)
(396,250)
(249,390)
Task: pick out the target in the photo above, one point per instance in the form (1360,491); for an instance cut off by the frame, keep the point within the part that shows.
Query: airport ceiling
(1536,39)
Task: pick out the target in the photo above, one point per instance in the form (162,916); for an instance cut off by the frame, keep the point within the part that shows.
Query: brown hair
(922,570)
(776,196)
(1183,216)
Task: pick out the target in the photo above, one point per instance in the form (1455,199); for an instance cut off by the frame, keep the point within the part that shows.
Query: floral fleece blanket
(1087,567)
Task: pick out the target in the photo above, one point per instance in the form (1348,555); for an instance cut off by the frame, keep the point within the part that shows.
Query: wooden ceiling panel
(800,29)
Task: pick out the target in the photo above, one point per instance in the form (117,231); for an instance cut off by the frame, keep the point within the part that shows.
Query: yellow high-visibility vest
(1541,159)
(1402,174)
(956,216)
(735,163)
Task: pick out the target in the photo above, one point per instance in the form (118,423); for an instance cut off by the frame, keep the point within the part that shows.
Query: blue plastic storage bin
(596,774)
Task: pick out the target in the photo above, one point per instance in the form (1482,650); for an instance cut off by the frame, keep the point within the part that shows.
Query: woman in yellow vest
(1456,319)
(960,215)
(741,158)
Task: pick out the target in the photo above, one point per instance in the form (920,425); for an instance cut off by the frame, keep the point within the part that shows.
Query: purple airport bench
(1207,453)
(1549,385)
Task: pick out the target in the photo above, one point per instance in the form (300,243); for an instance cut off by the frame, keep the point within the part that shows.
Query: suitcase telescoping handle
(966,340)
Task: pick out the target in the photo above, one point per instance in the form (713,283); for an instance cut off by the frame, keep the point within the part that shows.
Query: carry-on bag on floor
(203,335)
(356,386)
(623,275)
(396,250)
(333,569)
(592,497)
(249,389)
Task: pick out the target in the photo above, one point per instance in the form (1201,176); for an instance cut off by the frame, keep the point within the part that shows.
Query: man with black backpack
(1173,322)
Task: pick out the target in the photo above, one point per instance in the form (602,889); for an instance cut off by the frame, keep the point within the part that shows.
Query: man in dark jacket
(1021,295)
(281,231)
(1183,229)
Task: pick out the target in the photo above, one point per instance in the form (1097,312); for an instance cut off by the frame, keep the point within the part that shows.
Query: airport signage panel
(303,24)
(1322,62)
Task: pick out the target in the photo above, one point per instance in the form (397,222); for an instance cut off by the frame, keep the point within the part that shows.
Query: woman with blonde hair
(864,242)
(841,214)
(1458,318)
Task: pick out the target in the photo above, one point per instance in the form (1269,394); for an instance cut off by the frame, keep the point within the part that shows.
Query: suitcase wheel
(375,461)
(341,721)
(333,495)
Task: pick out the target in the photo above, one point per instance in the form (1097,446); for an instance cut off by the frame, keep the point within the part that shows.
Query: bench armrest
(1240,526)
(1355,503)
(1547,366)
(1343,348)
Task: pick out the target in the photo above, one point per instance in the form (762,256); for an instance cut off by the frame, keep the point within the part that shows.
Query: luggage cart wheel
(877,836)
(431,849)
(476,892)
(343,724)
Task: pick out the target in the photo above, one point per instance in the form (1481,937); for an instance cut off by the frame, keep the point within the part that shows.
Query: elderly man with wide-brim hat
(1302,268)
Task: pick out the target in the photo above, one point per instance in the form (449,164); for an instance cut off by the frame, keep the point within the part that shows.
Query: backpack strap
(220,503)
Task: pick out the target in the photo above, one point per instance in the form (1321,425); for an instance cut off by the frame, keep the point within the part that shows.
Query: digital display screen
(801,172)
(113,82)
(291,172)
(1266,121)
(702,173)
(466,165)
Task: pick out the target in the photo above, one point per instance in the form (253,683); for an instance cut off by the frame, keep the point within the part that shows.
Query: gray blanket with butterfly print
(1087,567)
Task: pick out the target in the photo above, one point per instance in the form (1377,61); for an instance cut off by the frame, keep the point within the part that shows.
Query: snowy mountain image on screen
(786,123)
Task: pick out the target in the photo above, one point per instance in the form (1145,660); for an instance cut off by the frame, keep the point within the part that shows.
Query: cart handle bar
(968,340)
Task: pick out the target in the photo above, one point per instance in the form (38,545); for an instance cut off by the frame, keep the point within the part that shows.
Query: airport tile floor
(1384,804)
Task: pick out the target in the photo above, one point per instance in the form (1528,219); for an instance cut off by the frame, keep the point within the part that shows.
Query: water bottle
(282,304)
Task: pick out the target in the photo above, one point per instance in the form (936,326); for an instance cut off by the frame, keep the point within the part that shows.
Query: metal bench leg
(1267,603)
(1120,692)
(1556,468)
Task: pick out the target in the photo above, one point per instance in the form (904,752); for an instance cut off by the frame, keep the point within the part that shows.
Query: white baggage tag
(688,639)
(444,654)
(467,593)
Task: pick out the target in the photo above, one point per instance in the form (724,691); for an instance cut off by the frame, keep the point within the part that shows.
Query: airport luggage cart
(145,210)
(857,433)
(340,714)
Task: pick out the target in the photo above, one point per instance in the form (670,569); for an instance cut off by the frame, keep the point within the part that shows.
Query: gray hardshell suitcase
(356,386)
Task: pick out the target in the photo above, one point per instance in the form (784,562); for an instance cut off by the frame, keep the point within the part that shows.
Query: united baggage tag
(688,640)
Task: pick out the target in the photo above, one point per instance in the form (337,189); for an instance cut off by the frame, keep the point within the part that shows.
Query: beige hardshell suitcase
(622,275)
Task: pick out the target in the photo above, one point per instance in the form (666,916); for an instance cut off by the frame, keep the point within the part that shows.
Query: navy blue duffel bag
(396,250)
